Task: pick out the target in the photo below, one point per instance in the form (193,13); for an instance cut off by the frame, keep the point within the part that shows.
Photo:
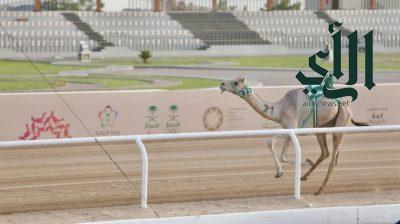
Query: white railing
(202,135)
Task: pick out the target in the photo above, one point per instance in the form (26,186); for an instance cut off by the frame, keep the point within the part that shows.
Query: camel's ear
(241,79)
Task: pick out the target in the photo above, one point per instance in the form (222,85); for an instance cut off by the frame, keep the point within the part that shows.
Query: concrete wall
(373,214)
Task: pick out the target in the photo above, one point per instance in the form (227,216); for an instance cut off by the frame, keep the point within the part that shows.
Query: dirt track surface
(77,177)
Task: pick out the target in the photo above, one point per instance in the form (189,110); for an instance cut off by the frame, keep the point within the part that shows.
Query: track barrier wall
(30,116)
(50,124)
(345,215)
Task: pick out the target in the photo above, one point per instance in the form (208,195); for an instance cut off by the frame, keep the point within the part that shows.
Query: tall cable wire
(14,41)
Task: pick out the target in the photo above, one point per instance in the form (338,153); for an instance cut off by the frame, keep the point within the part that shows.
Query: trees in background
(284,5)
(68,5)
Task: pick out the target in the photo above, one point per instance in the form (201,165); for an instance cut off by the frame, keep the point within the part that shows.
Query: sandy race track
(82,176)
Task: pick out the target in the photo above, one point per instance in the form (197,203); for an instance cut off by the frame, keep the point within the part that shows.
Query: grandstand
(290,28)
(39,32)
(108,161)
(141,30)
(218,28)
(383,22)
(155,29)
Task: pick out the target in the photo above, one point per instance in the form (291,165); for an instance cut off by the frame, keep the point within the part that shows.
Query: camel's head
(237,86)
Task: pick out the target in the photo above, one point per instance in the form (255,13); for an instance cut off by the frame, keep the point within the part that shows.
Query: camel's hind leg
(337,157)
(342,120)
(324,154)
(337,140)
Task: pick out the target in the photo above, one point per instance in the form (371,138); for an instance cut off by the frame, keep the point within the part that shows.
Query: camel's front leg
(285,148)
(271,146)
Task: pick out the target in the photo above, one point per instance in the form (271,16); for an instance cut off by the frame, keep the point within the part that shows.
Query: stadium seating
(39,32)
(218,28)
(305,29)
(141,30)
(385,23)
(294,29)
(52,31)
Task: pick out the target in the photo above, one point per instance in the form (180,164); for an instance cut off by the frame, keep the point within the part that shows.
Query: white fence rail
(138,139)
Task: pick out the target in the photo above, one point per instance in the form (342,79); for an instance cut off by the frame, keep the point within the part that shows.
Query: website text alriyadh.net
(327,104)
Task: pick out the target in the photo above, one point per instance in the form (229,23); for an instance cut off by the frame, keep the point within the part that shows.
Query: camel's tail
(359,123)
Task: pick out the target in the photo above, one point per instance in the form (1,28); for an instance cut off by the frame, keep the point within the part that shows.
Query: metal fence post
(145,171)
(297,150)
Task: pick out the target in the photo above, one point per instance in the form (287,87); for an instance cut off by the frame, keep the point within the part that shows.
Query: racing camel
(293,111)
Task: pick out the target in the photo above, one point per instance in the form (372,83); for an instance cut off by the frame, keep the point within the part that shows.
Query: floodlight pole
(372,4)
(321,5)
(37,6)
(98,5)
(157,5)
(214,5)
(270,4)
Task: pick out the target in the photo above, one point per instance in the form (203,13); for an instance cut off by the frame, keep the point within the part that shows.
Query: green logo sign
(107,117)
(152,118)
(173,124)
(318,86)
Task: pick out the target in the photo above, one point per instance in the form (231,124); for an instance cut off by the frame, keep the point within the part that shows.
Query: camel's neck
(268,110)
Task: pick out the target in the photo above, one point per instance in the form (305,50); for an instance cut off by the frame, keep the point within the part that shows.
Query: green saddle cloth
(314,92)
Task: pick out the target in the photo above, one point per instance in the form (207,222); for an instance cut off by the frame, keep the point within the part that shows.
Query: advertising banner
(28,116)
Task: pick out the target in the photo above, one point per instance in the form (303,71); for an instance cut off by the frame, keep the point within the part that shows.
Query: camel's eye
(235,83)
